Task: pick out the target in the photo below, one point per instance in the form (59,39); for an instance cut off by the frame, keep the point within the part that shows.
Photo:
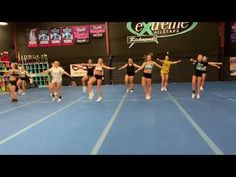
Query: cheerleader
(129,77)
(13,72)
(147,67)
(165,71)
(98,76)
(90,68)
(56,72)
(22,81)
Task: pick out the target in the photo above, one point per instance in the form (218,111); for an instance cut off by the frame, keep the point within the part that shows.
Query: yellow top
(166,67)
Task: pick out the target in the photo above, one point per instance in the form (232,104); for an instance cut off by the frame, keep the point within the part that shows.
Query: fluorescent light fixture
(3,23)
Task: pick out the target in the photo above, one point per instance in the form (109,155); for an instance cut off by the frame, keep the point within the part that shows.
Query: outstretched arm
(175,62)
(157,65)
(194,61)
(64,72)
(107,67)
(214,65)
(45,72)
(123,67)
(137,66)
(140,68)
(160,60)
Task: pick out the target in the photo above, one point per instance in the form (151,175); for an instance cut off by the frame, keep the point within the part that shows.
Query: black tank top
(130,69)
(90,70)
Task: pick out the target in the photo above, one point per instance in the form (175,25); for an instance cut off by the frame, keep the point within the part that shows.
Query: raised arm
(107,67)
(140,68)
(157,65)
(136,66)
(123,67)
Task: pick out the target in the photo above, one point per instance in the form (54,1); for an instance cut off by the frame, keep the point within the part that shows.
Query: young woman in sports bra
(21,82)
(56,72)
(165,71)
(90,68)
(14,75)
(147,75)
(98,75)
(129,77)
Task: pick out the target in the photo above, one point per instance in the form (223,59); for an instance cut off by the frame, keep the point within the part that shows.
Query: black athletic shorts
(98,77)
(147,75)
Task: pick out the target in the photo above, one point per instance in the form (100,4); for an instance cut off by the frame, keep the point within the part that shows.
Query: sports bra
(148,66)
(98,68)
(12,73)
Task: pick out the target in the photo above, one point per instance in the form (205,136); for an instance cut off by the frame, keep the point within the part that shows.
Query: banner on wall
(146,32)
(32,38)
(43,36)
(67,36)
(55,37)
(98,30)
(233,32)
(77,70)
(81,34)
(232,66)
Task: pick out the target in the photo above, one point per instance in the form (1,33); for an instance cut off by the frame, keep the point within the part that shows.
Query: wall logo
(146,32)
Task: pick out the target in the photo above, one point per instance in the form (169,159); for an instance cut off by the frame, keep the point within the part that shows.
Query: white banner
(77,70)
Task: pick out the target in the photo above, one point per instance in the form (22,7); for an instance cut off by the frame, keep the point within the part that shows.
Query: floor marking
(38,122)
(222,96)
(105,132)
(205,137)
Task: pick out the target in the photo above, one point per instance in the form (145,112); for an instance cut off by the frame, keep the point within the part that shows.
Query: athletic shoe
(53,99)
(193,95)
(84,89)
(162,89)
(55,93)
(50,94)
(90,96)
(92,93)
(148,97)
(20,92)
(59,100)
(198,96)
(165,89)
(201,88)
(132,90)
(99,99)
(23,93)
(127,90)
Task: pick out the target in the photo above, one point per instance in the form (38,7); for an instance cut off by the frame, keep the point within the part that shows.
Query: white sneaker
(50,94)
(91,96)
(54,99)
(165,89)
(20,92)
(55,93)
(23,93)
(127,90)
(193,95)
(148,97)
(84,89)
(99,99)
(92,93)
(131,91)
(59,100)
(162,89)
(198,96)
(201,88)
